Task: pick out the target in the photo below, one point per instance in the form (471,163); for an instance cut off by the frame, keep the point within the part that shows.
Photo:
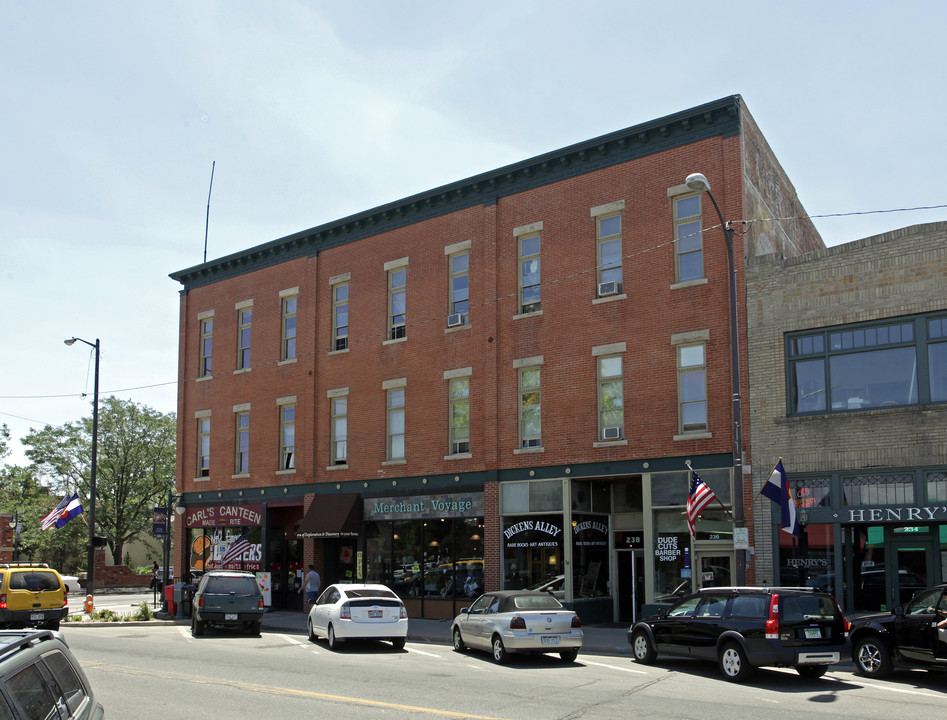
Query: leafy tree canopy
(136,456)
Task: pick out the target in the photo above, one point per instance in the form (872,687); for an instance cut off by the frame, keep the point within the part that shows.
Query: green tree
(136,455)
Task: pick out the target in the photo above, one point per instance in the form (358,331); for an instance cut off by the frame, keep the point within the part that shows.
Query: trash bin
(178,600)
(169,596)
(187,599)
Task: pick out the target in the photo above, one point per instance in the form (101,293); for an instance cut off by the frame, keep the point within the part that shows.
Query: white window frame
(606,422)
(203,444)
(206,322)
(454,306)
(529,441)
(682,371)
(395,403)
(534,306)
(614,273)
(338,421)
(397,321)
(244,334)
(287,424)
(693,235)
(289,305)
(241,440)
(458,398)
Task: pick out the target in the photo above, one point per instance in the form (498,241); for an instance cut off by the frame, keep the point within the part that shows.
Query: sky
(114,114)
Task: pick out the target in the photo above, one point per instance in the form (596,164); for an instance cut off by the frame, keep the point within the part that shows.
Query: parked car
(227,598)
(32,595)
(348,611)
(40,678)
(518,621)
(743,628)
(908,636)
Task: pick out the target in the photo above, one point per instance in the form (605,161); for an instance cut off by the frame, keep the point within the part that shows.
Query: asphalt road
(160,671)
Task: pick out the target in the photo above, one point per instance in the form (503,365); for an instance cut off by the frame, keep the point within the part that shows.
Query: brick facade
(643,168)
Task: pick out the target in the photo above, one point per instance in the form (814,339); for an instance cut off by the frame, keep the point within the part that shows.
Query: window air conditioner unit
(611,433)
(455,319)
(608,288)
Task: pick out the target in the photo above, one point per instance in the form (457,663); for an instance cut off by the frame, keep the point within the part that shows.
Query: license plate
(230,616)
(37,616)
(374,614)
(550,640)
(813,633)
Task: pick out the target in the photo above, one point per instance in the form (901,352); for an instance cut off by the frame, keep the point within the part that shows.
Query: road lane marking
(185,632)
(614,667)
(286,692)
(422,652)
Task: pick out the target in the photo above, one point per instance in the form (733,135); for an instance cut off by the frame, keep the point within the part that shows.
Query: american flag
(49,521)
(699,497)
(235,550)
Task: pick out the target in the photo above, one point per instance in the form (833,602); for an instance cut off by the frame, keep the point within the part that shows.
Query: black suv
(742,628)
(40,678)
(908,636)
(227,598)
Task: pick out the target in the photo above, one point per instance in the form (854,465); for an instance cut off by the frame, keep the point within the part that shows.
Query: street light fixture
(90,568)
(696,181)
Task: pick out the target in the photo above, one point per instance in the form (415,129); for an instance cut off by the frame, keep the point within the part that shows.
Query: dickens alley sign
(224,516)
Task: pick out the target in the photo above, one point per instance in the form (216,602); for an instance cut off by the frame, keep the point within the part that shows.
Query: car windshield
(370,594)
(797,608)
(537,602)
(34,581)
(228,585)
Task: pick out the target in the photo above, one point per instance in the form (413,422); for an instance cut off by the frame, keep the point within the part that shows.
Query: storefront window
(590,555)
(532,550)
(936,488)
(628,495)
(590,496)
(672,556)
(809,559)
(671,488)
(812,492)
(878,490)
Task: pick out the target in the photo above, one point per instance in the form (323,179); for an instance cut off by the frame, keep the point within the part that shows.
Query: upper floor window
(608,247)
(244,323)
(397,296)
(207,346)
(203,446)
(871,365)
(611,398)
(459,306)
(530,277)
(340,316)
(340,429)
(288,347)
(460,415)
(530,407)
(242,443)
(692,388)
(287,437)
(688,238)
(396,428)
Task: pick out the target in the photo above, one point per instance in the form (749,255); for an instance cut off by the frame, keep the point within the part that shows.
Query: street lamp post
(90,569)
(696,181)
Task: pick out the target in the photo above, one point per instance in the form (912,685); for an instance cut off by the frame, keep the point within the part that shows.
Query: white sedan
(349,611)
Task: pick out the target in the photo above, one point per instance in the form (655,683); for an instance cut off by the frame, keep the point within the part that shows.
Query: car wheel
(197,627)
(397,643)
(459,644)
(500,655)
(872,657)
(812,671)
(256,628)
(52,625)
(312,631)
(733,663)
(642,648)
(569,656)
(331,639)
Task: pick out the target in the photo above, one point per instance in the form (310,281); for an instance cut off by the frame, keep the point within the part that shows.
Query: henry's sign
(224,516)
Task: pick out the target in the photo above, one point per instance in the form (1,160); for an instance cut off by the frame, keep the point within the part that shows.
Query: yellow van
(31,595)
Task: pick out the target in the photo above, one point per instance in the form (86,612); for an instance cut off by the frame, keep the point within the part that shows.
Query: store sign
(590,533)
(629,540)
(532,533)
(670,548)
(224,516)
(455,505)
(897,514)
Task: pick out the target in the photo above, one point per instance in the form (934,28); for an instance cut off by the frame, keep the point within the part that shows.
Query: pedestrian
(154,577)
(311,587)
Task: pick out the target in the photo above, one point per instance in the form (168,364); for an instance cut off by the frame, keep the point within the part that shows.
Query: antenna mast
(207,220)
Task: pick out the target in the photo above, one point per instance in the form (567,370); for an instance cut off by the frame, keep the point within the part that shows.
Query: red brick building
(494,383)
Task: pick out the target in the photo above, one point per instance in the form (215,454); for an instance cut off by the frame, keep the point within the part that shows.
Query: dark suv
(742,628)
(907,637)
(227,598)
(41,678)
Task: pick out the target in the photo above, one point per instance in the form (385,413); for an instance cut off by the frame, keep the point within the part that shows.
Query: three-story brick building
(495,383)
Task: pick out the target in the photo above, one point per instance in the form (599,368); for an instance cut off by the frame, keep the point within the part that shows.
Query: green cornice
(721,117)
(462,482)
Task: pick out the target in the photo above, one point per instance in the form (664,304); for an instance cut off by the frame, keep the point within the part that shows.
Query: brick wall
(897,273)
